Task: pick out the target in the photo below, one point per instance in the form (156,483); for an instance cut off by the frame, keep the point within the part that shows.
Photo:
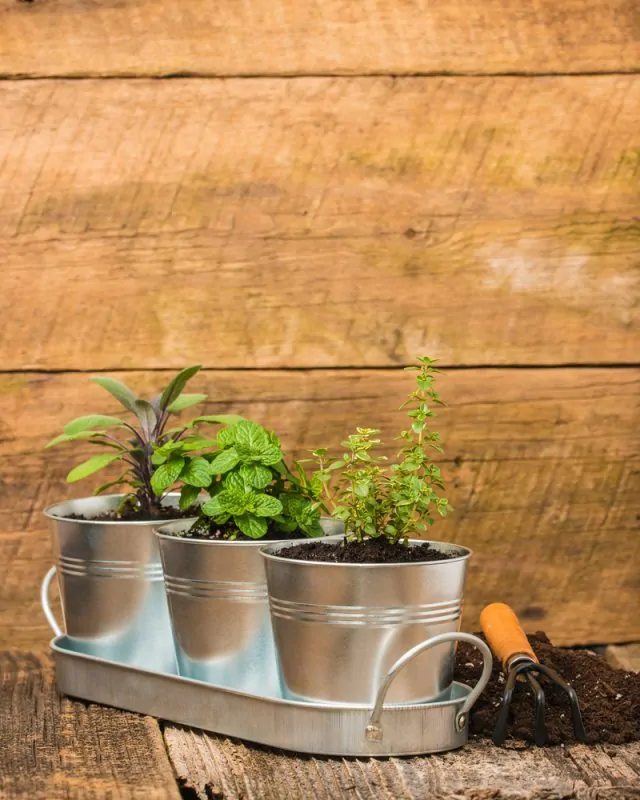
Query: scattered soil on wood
(167,514)
(609,698)
(371,551)
(208,530)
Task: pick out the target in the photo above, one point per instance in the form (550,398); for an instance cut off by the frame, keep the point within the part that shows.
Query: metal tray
(270,718)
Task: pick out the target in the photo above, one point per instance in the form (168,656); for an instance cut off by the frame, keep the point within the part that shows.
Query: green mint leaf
(234,501)
(196,472)
(254,527)
(91,422)
(214,507)
(176,385)
(119,390)
(185,401)
(312,528)
(166,474)
(270,456)
(256,475)
(226,437)
(233,480)
(91,465)
(188,497)
(266,506)
(224,461)
(251,437)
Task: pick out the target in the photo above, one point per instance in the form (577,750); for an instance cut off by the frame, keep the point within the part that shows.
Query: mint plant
(374,499)
(147,480)
(251,489)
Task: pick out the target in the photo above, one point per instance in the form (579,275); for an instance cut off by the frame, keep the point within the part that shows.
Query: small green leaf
(176,385)
(224,461)
(256,475)
(188,497)
(91,422)
(254,527)
(119,390)
(266,506)
(91,465)
(185,401)
(196,472)
(166,474)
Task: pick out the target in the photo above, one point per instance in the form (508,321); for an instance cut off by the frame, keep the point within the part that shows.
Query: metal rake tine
(576,715)
(500,731)
(539,727)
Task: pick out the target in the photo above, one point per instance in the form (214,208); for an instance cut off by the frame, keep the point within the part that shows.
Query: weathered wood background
(304,196)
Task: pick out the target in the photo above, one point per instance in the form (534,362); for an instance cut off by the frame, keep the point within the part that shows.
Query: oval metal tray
(270,718)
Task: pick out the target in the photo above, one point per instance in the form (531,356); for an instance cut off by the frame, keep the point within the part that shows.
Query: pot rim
(466,554)
(49,512)
(235,543)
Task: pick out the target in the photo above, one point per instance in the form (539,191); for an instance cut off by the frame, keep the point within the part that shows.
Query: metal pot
(111,586)
(340,627)
(219,609)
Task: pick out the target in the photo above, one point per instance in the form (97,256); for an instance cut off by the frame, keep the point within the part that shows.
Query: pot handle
(373,730)
(44,600)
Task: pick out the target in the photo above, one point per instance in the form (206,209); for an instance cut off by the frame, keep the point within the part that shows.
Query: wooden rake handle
(504,634)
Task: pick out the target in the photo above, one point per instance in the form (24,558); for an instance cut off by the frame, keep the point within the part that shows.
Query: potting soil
(609,698)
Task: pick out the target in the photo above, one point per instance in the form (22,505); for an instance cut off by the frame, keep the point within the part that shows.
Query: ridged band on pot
(339,627)
(219,609)
(110,579)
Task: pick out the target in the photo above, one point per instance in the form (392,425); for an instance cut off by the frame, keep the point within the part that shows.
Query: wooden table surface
(53,747)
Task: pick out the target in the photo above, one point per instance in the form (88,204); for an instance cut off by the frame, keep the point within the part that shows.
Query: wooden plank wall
(304,196)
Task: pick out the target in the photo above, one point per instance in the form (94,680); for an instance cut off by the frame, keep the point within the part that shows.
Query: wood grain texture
(212,766)
(319,222)
(275,37)
(624,656)
(60,748)
(542,467)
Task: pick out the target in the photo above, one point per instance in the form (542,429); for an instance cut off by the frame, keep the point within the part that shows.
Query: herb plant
(374,499)
(251,490)
(147,479)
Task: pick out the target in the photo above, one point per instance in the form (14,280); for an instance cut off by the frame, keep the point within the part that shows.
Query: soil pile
(609,698)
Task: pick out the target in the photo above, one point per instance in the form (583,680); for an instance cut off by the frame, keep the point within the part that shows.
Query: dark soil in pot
(609,698)
(371,551)
(167,513)
(207,530)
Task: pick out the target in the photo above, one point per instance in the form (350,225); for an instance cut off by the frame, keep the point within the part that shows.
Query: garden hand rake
(509,643)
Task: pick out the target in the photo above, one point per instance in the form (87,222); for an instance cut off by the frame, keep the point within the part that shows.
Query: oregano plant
(376,499)
(133,444)
(251,489)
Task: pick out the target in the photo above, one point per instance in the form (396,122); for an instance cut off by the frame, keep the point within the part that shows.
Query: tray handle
(44,601)
(373,730)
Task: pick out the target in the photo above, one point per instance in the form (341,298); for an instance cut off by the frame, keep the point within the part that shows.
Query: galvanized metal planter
(111,586)
(217,597)
(339,627)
